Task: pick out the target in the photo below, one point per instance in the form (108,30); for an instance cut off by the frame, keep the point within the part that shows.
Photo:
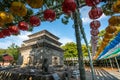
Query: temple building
(41,45)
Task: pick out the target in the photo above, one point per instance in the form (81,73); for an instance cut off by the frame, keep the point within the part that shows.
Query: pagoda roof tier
(43,32)
(43,44)
(43,37)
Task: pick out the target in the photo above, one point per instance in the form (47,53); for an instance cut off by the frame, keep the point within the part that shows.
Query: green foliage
(101,35)
(13,50)
(70,50)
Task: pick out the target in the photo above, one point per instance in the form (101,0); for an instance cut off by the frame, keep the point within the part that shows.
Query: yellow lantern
(18,8)
(106,40)
(110,29)
(114,20)
(108,35)
(9,18)
(3,16)
(116,7)
(35,3)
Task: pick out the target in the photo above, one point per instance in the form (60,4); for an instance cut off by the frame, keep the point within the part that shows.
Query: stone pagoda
(41,45)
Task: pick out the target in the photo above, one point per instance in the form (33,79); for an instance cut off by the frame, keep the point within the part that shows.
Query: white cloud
(5,45)
(65,40)
(18,40)
(86,20)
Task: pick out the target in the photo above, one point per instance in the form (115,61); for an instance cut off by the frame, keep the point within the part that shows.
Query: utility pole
(79,46)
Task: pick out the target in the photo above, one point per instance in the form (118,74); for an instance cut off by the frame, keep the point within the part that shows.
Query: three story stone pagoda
(39,46)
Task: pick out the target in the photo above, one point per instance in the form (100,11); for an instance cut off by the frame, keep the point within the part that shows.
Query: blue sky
(66,33)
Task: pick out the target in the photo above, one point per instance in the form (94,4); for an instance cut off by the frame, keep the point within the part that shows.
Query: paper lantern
(1,35)
(95,13)
(114,20)
(94,37)
(6,17)
(35,3)
(108,35)
(34,21)
(92,2)
(23,26)
(110,29)
(106,40)
(49,15)
(95,24)
(6,32)
(116,7)
(18,8)
(14,30)
(94,32)
(68,6)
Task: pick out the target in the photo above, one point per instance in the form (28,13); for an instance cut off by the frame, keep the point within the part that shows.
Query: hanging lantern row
(19,9)
(94,13)
(110,33)
(15,29)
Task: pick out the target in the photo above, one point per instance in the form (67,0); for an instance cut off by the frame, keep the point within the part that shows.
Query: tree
(70,50)
(13,50)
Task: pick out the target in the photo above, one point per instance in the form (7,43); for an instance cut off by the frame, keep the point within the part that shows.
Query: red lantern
(95,24)
(49,15)
(34,21)
(94,37)
(6,32)
(14,30)
(23,26)
(68,6)
(92,2)
(94,32)
(1,35)
(95,13)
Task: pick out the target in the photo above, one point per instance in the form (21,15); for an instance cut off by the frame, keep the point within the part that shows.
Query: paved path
(102,74)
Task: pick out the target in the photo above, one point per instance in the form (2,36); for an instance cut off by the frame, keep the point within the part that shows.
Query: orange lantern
(110,29)
(114,20)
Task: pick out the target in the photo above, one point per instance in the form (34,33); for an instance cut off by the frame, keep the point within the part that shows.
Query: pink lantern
(95,13)
(49,15)
(68,6)
(94,37)
(34,21)
(92,2)
(94,32)
(95,24)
